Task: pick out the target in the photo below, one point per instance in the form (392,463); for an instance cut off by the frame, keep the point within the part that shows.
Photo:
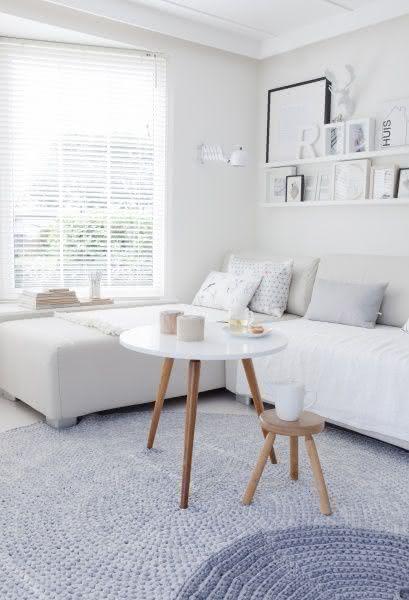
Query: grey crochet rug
(89,513)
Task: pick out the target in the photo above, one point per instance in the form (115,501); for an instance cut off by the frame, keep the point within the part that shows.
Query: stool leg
(325,506)
(259,468)
(294,457)
(255,392)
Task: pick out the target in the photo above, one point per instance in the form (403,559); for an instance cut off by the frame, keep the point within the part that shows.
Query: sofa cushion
(226,290)
(302,281)
(346,303)
(271,296)
(363,268)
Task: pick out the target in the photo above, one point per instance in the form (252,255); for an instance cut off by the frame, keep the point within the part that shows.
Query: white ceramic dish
(248,334)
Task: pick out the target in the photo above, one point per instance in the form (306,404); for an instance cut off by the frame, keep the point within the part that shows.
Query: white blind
(82,167)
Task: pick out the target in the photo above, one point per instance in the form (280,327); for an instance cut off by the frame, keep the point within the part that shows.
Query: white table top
(218,344)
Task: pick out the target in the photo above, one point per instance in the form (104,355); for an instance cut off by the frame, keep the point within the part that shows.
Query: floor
(14,413)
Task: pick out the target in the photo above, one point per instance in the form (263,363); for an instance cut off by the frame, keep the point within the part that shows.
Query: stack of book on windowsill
(57,298)
(52,298)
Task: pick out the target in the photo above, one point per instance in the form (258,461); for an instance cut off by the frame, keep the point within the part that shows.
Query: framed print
(294,188)
(317,181)
(393,123)
(310,188)
(350,180)
(360,135)
(276,183)
(383,182)
(403,183)
(324,188)
(334,138)
(293,110)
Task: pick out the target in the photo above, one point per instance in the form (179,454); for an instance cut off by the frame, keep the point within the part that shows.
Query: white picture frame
(317,181)
(383,182)
(276,183)
(334,138)
(360,135)
(350,180)
(324,188)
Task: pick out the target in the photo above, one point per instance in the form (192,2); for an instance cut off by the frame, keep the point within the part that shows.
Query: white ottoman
(65,370)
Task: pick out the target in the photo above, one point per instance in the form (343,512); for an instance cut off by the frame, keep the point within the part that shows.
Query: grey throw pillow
(346,303)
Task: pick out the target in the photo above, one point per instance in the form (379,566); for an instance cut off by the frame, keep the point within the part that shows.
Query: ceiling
(255,28)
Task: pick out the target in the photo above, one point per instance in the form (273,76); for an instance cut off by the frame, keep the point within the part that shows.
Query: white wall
(213,98)
(380,56)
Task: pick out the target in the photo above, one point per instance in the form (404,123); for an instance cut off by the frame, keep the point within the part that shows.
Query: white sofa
(358,378)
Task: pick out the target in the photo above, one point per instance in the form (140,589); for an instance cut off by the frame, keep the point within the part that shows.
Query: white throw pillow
(225,290)
(271,295)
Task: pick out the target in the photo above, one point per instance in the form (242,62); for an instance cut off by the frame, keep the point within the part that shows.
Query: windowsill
(11,311)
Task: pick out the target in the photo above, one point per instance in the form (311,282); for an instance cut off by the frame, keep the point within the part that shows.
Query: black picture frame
(398,182)
(301,178)
(327,104)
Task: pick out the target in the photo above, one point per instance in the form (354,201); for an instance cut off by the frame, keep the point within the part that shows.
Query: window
(82,167)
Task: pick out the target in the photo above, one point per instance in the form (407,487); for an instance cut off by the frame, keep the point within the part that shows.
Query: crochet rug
(89,513)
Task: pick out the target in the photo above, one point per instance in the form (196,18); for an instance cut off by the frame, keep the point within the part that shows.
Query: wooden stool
(307,425)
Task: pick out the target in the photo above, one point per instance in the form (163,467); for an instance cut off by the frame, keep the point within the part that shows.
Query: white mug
(288,397)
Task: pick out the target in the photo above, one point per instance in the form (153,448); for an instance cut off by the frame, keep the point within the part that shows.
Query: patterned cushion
(272,294)
(225,290)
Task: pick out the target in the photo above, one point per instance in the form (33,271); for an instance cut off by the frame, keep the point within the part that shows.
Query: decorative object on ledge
(393,128)
(350,180)
(342,95)
(293,109)
(214,153)
(360,134)
(334,138)
(276,183)
(403,183)
(309,136)
(383,182)
(294,188)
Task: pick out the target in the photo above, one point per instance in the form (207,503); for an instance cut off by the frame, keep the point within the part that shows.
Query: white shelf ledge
(367,202)
(397,151)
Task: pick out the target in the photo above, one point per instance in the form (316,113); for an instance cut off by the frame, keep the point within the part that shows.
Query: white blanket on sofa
(117,320)
(358,377)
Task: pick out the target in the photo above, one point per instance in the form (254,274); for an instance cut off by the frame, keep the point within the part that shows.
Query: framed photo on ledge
(403,183)
(276,183)
(294,188)
(291,111)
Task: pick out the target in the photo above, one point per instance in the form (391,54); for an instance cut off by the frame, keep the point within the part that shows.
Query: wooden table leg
(255,392)
(164,380)
(190,422)
(294,457)
(325,506)
(259,468)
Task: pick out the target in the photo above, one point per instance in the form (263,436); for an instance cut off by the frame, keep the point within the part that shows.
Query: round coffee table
(217,345)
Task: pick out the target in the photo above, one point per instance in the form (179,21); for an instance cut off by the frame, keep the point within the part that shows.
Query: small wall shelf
(397,151)
(367,202)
